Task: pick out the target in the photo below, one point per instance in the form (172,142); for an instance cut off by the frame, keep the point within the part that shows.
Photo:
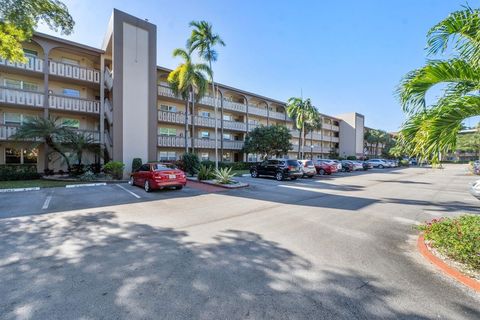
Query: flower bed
(233,185)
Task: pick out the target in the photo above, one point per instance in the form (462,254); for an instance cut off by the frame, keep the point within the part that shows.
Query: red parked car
(157,175)
(325,167)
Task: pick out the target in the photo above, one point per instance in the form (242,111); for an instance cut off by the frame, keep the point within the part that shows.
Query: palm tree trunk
(299,143)
(52,145)
(193,120)
(186,126)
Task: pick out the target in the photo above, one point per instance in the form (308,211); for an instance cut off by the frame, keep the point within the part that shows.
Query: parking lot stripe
(46,203)
(133,194)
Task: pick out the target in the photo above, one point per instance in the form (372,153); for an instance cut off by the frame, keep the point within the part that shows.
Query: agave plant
(432,129)
(224,175)
(205,173)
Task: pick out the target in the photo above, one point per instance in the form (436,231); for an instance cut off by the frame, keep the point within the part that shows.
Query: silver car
(308,168)
(475,189)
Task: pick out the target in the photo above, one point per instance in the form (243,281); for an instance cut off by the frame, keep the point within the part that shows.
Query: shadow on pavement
(92,266)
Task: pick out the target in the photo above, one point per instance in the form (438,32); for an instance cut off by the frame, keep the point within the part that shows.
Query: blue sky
(345,55)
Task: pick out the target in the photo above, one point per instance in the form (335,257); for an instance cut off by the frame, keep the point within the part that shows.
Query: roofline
(68,42)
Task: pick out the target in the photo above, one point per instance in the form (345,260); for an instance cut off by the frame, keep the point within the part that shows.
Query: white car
(357,165)
(378,163)
(475,189)
(308,168)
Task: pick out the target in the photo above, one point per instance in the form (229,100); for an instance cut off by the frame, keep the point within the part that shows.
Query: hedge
(18,172)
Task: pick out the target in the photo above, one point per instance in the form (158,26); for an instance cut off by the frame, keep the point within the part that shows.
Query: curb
(445,268)
(86,185)
(19,189)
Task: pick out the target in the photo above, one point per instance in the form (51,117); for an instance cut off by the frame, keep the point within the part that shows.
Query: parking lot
(340,246)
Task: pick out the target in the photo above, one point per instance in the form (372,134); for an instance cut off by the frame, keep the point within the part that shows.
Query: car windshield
(163,166)
(292,163)
(309,163)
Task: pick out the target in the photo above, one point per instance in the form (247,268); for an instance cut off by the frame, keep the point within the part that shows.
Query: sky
(345,55)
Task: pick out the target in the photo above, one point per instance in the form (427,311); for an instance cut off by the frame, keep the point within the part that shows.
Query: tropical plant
(189,79)
(19,18)
(302,112)
(114,168)
(314,124)
(51,131)
(79,143)
(205,173)
(204,40)
(431,130)
(191,163)
(136,164)
(268,141)
(224,175)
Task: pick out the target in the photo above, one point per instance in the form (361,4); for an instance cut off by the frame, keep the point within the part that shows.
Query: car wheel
(310,176)
(380,166)
(146,186)
(131,181)
(254,174)
(321,172)
(178,187)
(293,178)
(279,176)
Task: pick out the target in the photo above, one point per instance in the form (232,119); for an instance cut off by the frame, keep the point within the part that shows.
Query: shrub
(136,164)
(179,164)
(77,169)
(18,172)
(88,176)
(191,163)
(351,158)
(224,175)
(114,168)
(457,238)
(94,167)
(205,173)
(208,163)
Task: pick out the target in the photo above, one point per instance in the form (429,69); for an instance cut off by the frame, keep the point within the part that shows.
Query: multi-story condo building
(118,95)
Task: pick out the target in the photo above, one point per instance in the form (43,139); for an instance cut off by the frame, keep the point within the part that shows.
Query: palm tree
(80,143)
(432,130)
(49,130)
(314,124)
(204,40)
(189,80)
(302,111)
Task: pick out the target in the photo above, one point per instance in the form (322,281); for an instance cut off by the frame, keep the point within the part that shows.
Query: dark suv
(278,168)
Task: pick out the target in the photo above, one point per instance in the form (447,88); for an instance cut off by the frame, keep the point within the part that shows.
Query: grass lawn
(35,183)
(238,173)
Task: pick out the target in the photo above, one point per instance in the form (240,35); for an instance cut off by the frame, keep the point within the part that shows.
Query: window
(20,156)
(227,157)
(167,156)
(21,85)
(204,156)
(70,123)
(70,61)
(204,114)
(12,118)
(227,136)
(71,92)
(167,131)
(164,107)
(144,167)
(205,135)
(251,157)
(163,167)
(30,53)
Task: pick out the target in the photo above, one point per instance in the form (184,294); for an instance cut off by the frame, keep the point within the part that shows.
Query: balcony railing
(108,111)
(276,115)
(234,125)
(21,97)
(233,145)
(166,92)
(257,111)
(32,64)
(108,75)
(252,126)
(172,117)
(72,71)
(308,148)
(235,106)
(7,132)
(204,121)
(171,141)
(73,104)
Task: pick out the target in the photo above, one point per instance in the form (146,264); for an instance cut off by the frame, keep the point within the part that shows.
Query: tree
(470,142)
(314,124)
(268,141)
(302,111)
(80,143)
(50,130)
(189,80)
(204,40)
(19,18)
(431,130)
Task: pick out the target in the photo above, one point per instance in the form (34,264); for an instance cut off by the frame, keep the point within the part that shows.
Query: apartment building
(120,96)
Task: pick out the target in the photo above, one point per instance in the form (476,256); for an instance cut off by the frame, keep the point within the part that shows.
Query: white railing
(234,125)
(209,100)
(235,106)
(171,141)
(108,110)
(204,121)
(32,64)
(307,148)
(205,143)
(166,92)
(276,115)
(252,126)
(73,104)
(7,131)
(335,128)
(257,111)
(72,71)
(21,97)
(108,75)
(326,126)
(335,139)
(173,117)
(92,134)
(233,145)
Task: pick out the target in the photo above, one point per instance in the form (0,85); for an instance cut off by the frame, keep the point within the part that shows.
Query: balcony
(234,125)
(257,111)
(71,71)
(172,117)
(234,106)
(210,144)
(307,148)
(171,141)
(233,145)
(166,92)
(204,122)
(73,104)
(277,115)
(252,126)
(7,131)
(32,64)
(21,97)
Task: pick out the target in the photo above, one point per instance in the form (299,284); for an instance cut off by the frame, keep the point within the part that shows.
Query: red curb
(452,272)
(204,187)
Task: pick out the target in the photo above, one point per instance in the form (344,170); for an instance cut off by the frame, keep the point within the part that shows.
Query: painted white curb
(246,175)
(86,185)
(19,189)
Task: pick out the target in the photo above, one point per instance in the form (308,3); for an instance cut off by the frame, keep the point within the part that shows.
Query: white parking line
(46,203)
(133,194)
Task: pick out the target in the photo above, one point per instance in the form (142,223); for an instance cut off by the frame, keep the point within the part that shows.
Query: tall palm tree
(432,129)
(302,111)
(80,143)
(204,40)
(189,81)
(50,130)
(313,124)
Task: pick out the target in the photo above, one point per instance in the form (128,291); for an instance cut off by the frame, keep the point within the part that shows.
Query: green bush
(351,158)
(18,172)
(191,163)
(114,168)
(88,176)
(136,164)
(457,238)
(224,175)
(205,173)
(208,163)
